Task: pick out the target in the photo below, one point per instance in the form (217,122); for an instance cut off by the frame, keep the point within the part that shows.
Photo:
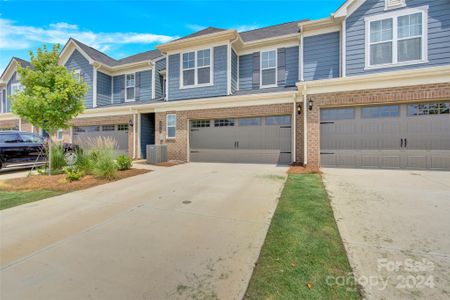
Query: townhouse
(367,87)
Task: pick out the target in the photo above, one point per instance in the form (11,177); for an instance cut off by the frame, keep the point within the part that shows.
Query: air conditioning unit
(156,154)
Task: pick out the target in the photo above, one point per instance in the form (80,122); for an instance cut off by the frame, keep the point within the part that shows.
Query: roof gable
(11,67)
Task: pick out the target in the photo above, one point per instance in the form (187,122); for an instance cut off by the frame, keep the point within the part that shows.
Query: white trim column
(153,80)
(228,69)
(343,49)
(94,86)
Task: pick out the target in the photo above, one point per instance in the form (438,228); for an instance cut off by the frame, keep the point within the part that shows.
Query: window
(337,114)
(31,138)
(200,123)
(9,138)
(429,109)
(77,74)
(381,111)
(108,128)
(250,122)
(122,127)
(60,135)
(129,87)
(171,125)
(224,123)
(396,38)
(278,120)
(268,68)
(86,129)
(196,68)
(15,88)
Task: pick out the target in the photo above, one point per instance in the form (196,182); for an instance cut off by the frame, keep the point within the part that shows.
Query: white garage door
(241,140)
(86,135)
(412,136)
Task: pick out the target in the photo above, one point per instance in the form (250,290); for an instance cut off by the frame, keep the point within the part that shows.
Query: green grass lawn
(10,199)
(302,246)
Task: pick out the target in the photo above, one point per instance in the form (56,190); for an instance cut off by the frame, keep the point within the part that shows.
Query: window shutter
(137,85)
(256,68)
(281,66)
(122,89)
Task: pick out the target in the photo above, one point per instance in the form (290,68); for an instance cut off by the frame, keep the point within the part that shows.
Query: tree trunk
(49,156)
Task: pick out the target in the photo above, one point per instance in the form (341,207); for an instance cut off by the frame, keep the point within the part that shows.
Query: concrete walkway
(396,228)
(189,231)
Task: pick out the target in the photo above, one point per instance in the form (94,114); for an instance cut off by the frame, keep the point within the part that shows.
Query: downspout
(134,135)
(153,79)
(229,65)
(305,126)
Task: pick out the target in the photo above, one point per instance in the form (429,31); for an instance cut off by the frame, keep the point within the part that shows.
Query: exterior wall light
(130,123)
(299,109)
(310,104)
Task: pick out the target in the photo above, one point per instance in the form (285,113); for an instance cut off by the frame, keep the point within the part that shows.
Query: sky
(123,28)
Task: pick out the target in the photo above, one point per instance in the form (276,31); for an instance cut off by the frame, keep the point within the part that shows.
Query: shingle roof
(270,31)
(148,55)
(109,61)
(208,30)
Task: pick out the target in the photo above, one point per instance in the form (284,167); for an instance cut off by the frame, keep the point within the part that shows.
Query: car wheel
(70,158)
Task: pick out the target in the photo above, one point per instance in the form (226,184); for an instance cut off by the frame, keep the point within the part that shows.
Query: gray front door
(241,140)
(412,136)
(85,136)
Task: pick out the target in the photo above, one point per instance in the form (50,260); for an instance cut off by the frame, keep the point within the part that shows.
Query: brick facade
(8,124)
(401,95)
(177,148)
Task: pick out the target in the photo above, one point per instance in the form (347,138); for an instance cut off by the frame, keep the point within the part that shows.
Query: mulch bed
(302,170)
(59,182)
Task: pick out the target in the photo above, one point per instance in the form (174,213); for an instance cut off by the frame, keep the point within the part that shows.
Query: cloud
(20,37)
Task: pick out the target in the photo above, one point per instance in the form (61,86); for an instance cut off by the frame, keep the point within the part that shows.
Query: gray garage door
(414,136)
(241,140)
(86,135)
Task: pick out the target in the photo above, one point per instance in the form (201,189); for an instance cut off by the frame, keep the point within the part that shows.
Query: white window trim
(17,86)
(394,15)
(167,126)
(261,69)
(77,72)
(388,7)
(62,135)
(134,87)
(195,68)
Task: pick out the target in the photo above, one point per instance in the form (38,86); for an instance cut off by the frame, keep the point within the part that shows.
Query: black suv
(18,148)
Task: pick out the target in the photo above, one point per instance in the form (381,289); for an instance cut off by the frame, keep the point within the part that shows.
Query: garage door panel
(86,136)
(245,142)
(388,136)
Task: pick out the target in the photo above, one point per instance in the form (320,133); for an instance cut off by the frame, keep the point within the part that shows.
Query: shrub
(73,173)
(101,154)
(84,162)
(124,162)
(104,165)
(57,159)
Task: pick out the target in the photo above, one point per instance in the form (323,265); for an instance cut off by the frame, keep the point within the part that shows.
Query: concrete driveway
(189,231)
(396,229)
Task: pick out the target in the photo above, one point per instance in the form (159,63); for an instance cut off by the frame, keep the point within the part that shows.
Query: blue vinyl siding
(147,132)
(438,35)
(292,65)
(103,89)
(234,71)
(321,56)
(145,86)
(118,89)
(245,72)
(77,61)
(160,65)
(219,87)
(11,81)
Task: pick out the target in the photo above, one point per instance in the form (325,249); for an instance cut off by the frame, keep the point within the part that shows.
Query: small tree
(51,96)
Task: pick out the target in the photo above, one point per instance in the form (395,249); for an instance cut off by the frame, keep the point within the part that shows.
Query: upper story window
(16,87)
(129,86)
(396,38)
(77,75)
(268,68)
(196,68)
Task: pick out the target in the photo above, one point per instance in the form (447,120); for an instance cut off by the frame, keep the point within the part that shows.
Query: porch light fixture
(310,104)
(130,123)
(299,109)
